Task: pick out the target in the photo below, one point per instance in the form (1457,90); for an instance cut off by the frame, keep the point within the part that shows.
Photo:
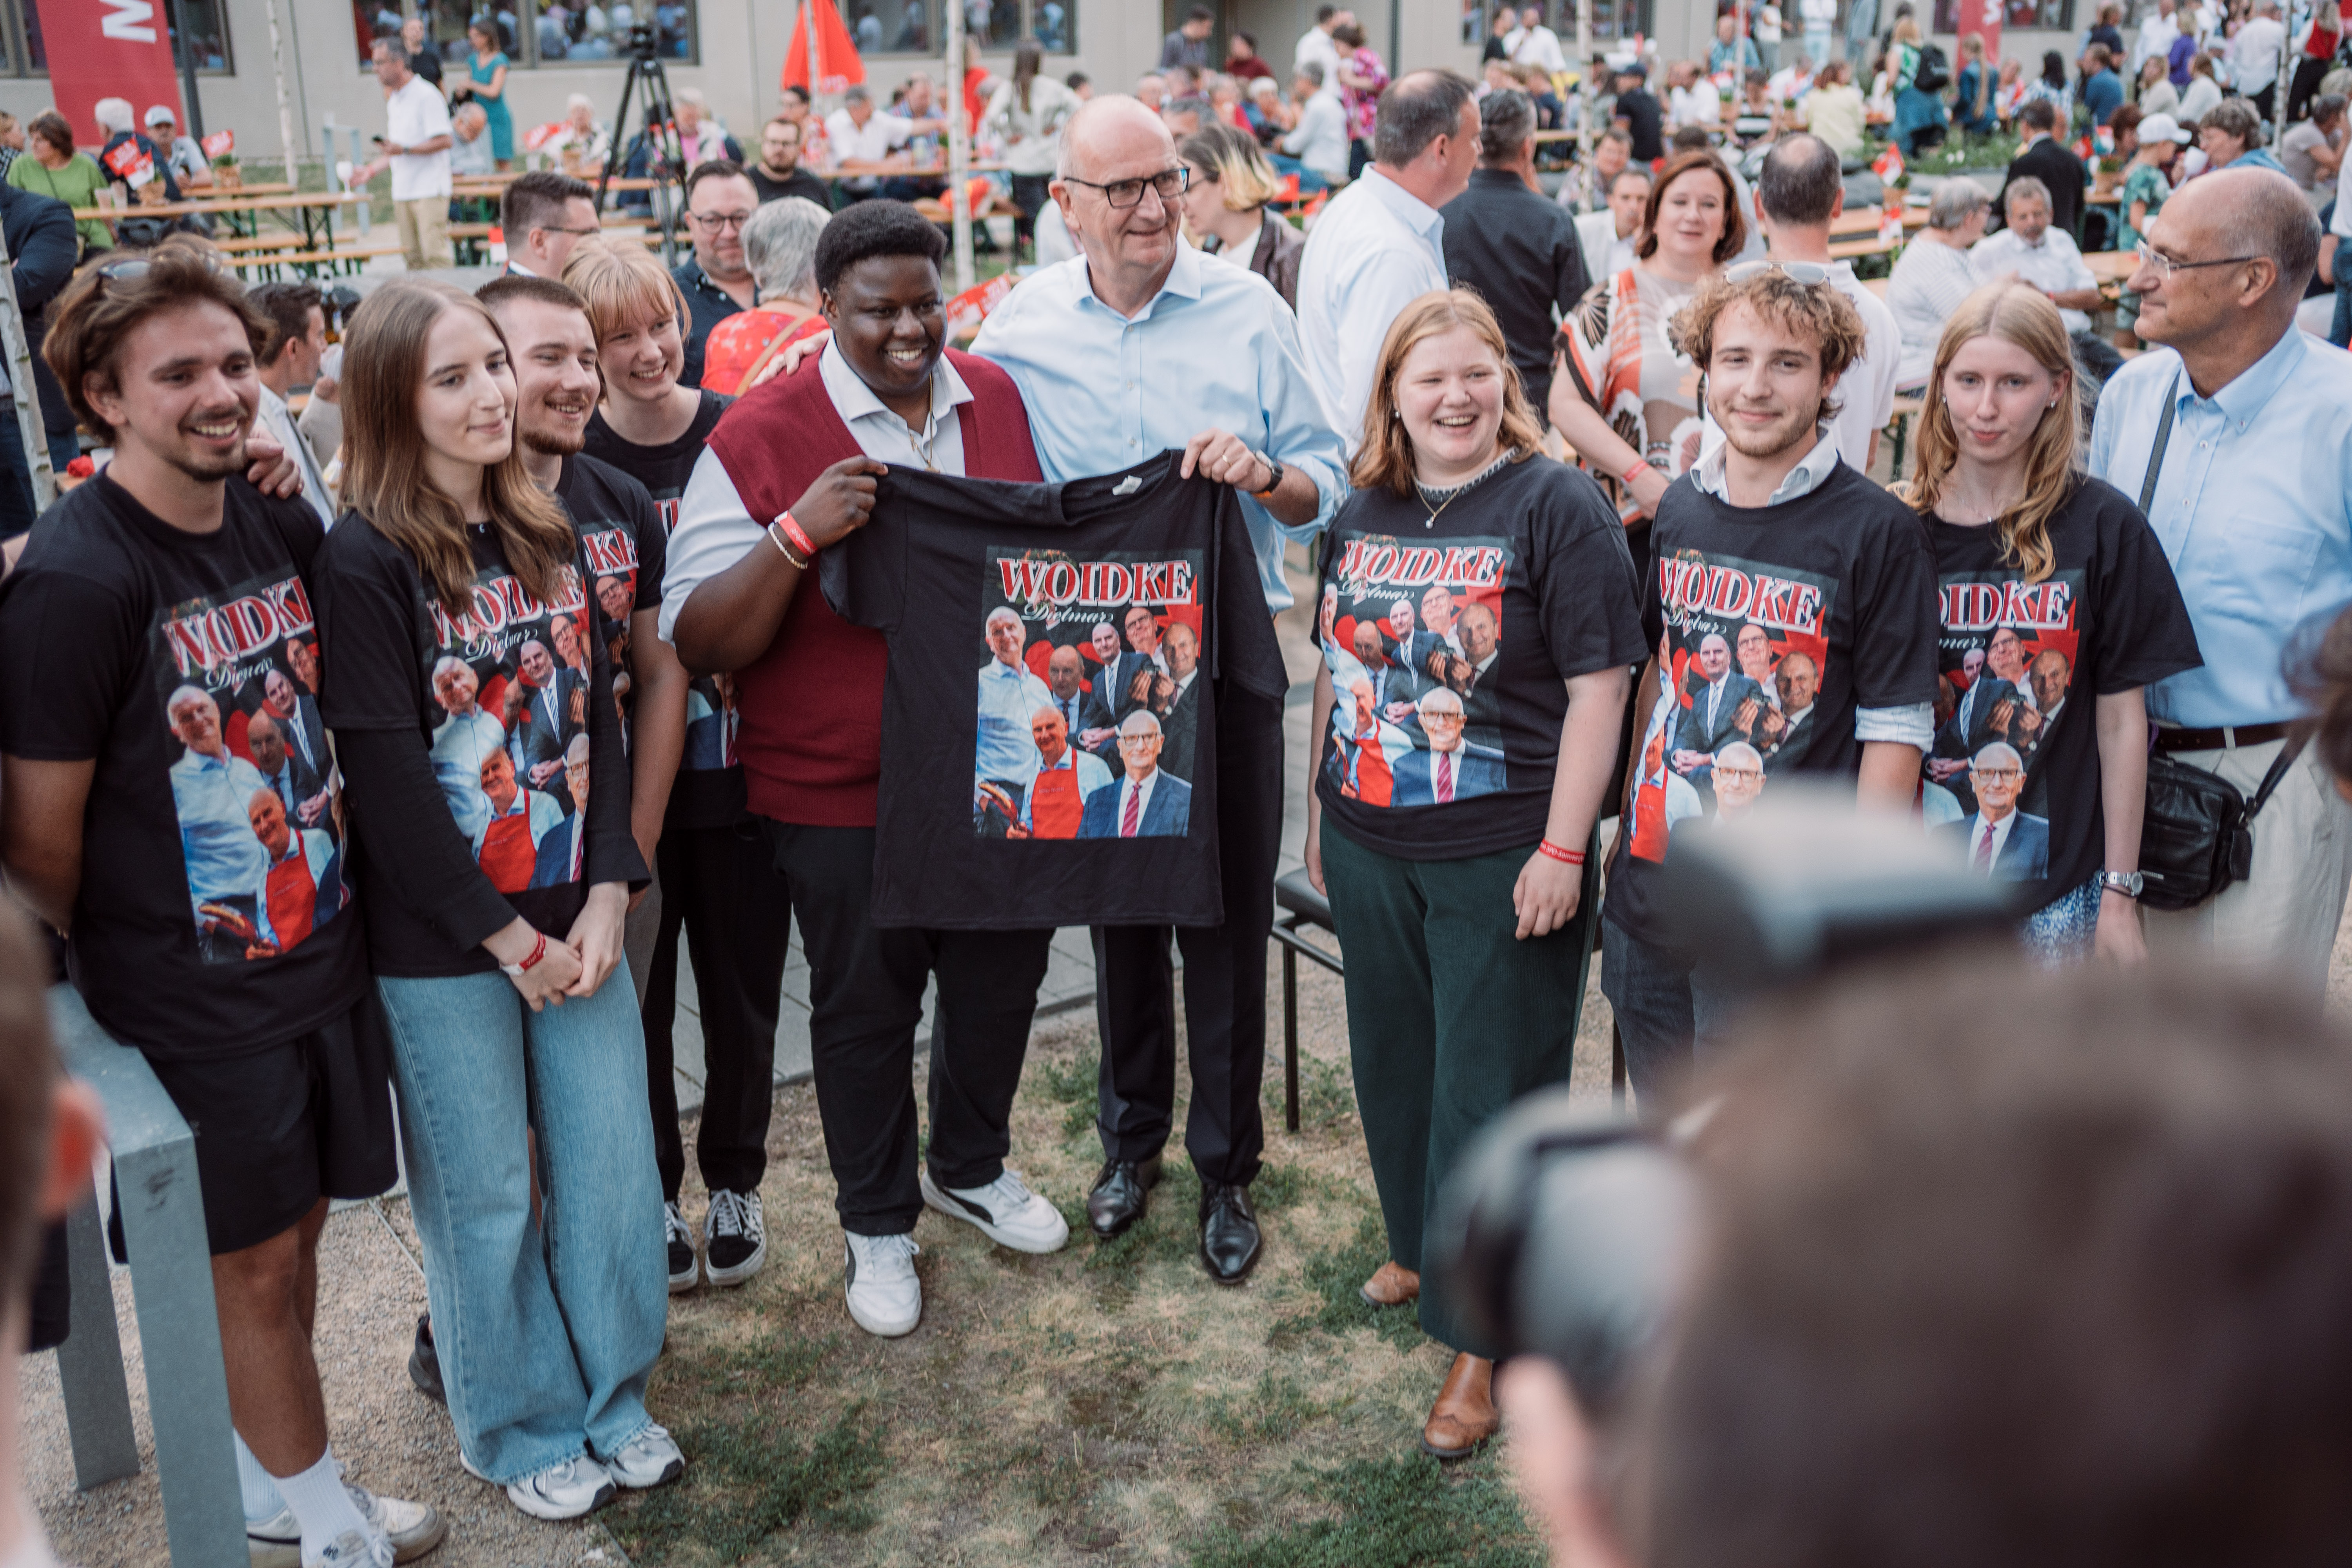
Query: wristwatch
(1274,469)
(2127,883)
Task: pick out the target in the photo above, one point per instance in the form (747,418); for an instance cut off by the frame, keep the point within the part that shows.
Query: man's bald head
(1109,129)
(2265,215)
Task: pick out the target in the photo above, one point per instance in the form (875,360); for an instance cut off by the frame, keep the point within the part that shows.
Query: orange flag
(837,56)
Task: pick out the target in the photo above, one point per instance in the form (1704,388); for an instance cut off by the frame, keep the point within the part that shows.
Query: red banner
(836,55)
(108,48)
(1983,19)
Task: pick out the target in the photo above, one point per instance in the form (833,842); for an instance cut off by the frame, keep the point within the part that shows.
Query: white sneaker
(567,1490)
(648,1460)
(413,1528)
(352,1550)
(885,1296)
(1005,1211)
(734,1237)
(679,1241)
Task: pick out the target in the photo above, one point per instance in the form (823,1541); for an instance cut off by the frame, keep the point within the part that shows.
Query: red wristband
(794,532)
(537,952)
(1640,468)
(1573,857)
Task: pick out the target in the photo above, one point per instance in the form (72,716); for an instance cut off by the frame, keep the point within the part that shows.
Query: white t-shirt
(882,135)
(417,112)
(1316,45)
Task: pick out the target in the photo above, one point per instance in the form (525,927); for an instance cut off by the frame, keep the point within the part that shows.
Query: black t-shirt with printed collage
(2014,772)
(1449,637)
(998,600)
(1772,626)
(513,703)
(709,789)
(624,546)
(216,914)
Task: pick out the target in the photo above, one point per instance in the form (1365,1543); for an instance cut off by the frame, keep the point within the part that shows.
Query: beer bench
(1297,903)
(172,1287)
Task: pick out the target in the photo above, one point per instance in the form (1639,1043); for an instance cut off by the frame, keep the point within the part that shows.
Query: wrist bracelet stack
(784,534)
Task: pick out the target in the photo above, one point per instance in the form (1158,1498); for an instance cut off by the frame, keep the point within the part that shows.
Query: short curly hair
(1815,310)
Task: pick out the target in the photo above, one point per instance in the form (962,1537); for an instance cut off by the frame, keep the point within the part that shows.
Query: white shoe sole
(726,1279)
(527,1501)
(1039,1243)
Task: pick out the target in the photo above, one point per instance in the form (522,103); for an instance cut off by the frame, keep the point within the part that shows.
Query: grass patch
(1403,1512)
(1277,1408)
(1072,1085)
(1338,1276)
(748,1479)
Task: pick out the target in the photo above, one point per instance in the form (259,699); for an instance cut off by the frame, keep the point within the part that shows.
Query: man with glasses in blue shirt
(720,200)
(1137,346)
(2239,431)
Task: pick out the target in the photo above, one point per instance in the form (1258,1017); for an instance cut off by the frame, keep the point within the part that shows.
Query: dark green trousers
(1451,1018)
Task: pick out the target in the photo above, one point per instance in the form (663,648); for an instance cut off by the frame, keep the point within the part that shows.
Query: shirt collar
(2242,399)
(1406,208)
(1184,280)
(1003,672)
(854,400)
(1804,479)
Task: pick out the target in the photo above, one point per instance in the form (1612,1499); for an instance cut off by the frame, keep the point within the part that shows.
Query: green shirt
(76,185)
(2144,183)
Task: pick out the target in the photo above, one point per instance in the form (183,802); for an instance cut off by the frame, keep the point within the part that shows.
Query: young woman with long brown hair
(2058,606)
(1479,621)
(453,610)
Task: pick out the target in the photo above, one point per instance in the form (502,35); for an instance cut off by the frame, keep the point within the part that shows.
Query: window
(207,23)
(537,32)
(920,26)
(894,27)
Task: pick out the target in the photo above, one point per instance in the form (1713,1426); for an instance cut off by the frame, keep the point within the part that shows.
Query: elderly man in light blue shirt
(212,790)
(1003,753)
(1381,244)
(1135,347)
(2252,496)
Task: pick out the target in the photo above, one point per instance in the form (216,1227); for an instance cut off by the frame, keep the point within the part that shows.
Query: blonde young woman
(2059,608)
(1226,207)
(495,897)
(1468,729)
(1622,395)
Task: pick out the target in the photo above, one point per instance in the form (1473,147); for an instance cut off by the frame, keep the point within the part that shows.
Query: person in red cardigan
(740,598)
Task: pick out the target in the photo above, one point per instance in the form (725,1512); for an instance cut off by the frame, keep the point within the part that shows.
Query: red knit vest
(811,736)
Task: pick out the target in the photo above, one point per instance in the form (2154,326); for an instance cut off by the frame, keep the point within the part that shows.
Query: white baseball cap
(2163,128)
(163,114)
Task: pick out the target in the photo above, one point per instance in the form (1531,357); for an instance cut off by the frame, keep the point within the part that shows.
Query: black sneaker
(734,1237)
(683,1275)
(425,1363)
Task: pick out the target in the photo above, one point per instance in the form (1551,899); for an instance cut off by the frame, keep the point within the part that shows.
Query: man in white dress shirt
(1381,244)
(2044,257)
(1533,44)
(1315,45)
(297,340)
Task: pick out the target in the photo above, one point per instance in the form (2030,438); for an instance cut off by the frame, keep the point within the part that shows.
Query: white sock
(262,1502)
(321,1505)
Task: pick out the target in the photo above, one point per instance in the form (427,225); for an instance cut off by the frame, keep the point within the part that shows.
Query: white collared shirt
(2054,265)
(1999,838)
(416,113)
(715,526)
(1377,248)
(1138,792)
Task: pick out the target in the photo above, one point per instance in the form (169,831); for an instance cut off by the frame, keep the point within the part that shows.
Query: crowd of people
(370,780)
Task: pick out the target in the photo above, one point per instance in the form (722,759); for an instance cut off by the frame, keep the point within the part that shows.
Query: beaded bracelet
(776,537)
(1573,857)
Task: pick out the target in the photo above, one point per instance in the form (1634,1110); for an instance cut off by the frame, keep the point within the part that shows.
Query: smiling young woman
(2053,585)
(1479,617)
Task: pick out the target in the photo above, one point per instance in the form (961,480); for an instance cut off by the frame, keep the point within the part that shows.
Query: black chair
(1298,904)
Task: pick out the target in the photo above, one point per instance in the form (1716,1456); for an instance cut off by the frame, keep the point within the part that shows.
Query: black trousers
(718,886)
(865,1000)
(2304,86)
(1225,976)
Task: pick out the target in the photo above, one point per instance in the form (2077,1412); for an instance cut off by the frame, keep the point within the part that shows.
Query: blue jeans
(546,1332)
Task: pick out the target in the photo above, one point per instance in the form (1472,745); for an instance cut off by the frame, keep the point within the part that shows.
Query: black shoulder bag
(2196,835)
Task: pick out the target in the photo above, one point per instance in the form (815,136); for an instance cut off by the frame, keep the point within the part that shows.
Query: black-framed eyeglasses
(2164,266)
(1167,184)
(716,222)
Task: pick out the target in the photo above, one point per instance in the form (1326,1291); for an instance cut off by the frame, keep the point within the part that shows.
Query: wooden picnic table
(309,210)
(2112,266)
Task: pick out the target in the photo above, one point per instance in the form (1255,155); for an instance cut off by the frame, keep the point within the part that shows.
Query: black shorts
(279,1127)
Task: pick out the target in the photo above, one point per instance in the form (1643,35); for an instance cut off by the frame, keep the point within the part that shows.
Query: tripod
(664,153)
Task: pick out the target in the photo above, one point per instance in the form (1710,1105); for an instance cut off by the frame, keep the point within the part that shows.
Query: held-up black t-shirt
(1772,626)
(709,789)
(2017,747)
(484,750)
(1449,638)
(1104,597)
(216,913)
(625,545)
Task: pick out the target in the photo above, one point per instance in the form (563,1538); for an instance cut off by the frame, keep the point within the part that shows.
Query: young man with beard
(1856,579)
(805,451)
(116,822)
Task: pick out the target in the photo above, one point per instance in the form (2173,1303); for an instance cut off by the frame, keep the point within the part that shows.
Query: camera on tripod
(643,42)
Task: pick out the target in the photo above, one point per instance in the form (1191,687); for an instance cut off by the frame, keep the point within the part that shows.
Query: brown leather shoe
(1392,1284)
(1463,1416)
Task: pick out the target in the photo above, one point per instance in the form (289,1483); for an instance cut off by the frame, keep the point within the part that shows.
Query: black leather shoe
(425,1364)
(1119,1194)
(1229,1238)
